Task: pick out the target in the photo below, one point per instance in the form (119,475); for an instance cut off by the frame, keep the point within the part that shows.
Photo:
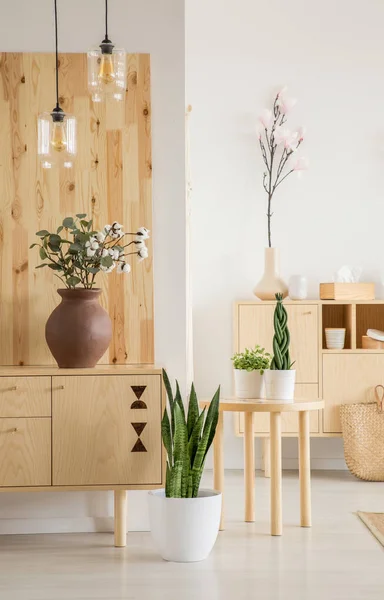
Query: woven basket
(363,433)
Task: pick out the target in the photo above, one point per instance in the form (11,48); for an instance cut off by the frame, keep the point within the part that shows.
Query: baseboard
(56,525)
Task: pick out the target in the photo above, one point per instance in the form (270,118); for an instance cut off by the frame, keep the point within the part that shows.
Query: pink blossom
(282,91)
(301,164)
(285,136)
(286,104)
(301,133)
(266,118)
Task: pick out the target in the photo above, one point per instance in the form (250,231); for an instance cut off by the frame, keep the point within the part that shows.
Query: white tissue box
(347,291)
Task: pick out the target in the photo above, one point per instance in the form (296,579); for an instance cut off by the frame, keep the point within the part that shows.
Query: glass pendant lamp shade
(106,73)
(106,69)
(56,139)
(56,131)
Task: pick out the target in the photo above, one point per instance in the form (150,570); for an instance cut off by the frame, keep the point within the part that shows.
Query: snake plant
(281,359)
(187,439)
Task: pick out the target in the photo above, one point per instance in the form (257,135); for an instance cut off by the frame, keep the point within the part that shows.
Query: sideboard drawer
(25,396)
(25,451)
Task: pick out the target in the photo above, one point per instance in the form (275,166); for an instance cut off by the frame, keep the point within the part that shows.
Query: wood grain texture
(25,397)
(111,180)
(92,433)
(368,316)
(25,450)
(349,379)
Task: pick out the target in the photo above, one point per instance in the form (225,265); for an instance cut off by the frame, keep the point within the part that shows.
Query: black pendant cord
(106,45)
(106,19)
(57,58)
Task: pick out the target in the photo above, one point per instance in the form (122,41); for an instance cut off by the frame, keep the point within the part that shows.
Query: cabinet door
(25,450)
(348,379)
(106,430)
(256,327)
(290,421)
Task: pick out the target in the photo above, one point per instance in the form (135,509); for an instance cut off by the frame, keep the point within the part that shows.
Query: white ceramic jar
(298,287)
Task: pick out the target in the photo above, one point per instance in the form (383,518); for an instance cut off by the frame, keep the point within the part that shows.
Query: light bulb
(58,137)
(107,70)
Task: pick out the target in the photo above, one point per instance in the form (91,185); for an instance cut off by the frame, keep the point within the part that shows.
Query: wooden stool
(249,408)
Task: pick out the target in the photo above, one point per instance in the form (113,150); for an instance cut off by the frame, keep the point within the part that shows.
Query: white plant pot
(249,384)
(335,338)
(184,529)
(280,385)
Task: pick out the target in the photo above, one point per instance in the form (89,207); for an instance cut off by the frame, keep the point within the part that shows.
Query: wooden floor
(336,559)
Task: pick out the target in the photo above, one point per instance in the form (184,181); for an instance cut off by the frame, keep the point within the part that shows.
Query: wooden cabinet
(25,451)
(102,434)
(290,421)
(348,379)
(255,326)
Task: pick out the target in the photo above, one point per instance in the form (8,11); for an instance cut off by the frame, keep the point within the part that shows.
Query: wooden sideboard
(338,376)
(82,429)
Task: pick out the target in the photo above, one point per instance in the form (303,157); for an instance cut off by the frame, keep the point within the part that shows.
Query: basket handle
(380,401)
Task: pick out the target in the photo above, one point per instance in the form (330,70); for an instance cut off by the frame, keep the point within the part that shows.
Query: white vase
(280,385)
(184,529)
(298,287)
(249,384)
(271,282)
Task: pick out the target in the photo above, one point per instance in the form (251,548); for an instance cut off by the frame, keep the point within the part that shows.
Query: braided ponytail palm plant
(281,359)
(187,439)
(280,378)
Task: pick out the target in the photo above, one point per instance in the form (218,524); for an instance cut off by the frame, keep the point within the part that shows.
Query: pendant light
(57,129)
(106,69)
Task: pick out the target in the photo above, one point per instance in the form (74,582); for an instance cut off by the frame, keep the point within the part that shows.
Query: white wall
(331,55)
(138,26)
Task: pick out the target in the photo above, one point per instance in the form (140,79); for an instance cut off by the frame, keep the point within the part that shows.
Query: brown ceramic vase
(79,330)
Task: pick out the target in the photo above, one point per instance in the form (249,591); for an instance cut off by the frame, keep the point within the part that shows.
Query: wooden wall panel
(111,179)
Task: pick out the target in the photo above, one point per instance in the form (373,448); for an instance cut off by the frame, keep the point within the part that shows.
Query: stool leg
(266,450)
(120,518)
(218,463)
(249,468)
(276,477)
(305,469)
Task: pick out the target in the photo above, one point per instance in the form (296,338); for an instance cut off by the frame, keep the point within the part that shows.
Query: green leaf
(213,414)
(168,389)
(93,270)
(55,267)
(42,265)
(75,248)
(54,249)
(42,253)
(193,411)
(73,281)
(106,261)
(60,229)
(81,237)
(54,239)
(166,436)
(33,245)
(42,233)
(84,223)
(89,224)
(195,437)
(180,445)
(68,222)
(179,399)
(81,215)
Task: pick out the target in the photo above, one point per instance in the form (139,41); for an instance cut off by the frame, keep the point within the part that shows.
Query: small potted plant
(249,367)
(280,378)
(185,519)
(79,330)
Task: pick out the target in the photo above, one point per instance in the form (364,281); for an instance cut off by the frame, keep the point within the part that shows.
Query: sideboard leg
(120,518)
(305,469)
(218,463)
(266,451)
(276,475)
